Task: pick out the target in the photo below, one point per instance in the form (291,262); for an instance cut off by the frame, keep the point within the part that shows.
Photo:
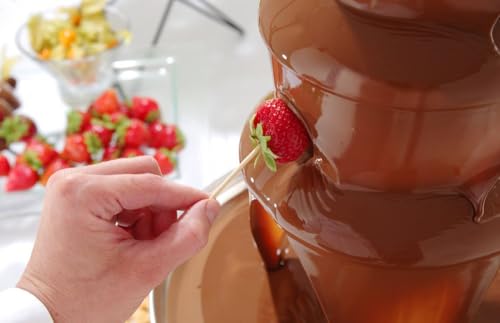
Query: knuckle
(57,177)
(66,183)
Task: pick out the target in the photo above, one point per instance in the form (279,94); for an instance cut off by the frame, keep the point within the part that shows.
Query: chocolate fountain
(394,215)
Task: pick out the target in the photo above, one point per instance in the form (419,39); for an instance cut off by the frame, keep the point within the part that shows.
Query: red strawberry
(40,150)
(280,134)
(107,103)
(21,177)
(111,153)
(117,117)
(145,109)
(166,136)
(80,148)
(77,122)
(132,133)
(175,138)
(166,160)
(30,159)
(102,132)
(4,166)
(157,135)
(32,130)
(132,152)
(17,128)
(124,109)
(54,166)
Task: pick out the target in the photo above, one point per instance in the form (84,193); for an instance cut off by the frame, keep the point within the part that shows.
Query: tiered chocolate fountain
(394,216)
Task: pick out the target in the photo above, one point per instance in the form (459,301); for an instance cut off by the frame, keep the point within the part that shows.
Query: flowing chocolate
(396,211)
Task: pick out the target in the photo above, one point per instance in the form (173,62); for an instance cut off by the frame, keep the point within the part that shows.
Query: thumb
(186,236)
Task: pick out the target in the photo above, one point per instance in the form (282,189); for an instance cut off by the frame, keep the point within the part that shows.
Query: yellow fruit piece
(112,43)
(70,54)
(67,37)
(76,19)
(44,54)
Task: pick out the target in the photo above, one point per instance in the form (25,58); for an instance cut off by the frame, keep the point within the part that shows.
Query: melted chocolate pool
(227,282)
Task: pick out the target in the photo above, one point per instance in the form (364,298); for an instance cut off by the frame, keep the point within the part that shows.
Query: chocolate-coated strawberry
(278,132)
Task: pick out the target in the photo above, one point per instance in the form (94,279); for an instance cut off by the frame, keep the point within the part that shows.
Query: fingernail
(212,209)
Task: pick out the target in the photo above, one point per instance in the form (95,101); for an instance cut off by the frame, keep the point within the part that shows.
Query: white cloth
(20,306)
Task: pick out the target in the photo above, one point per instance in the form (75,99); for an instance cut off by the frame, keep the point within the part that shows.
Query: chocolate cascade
(394,216)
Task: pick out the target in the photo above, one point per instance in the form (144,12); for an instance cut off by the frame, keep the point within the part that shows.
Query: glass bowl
(80,81)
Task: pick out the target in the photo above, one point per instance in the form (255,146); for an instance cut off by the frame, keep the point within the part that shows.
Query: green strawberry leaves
(170,154)
(152,116)
(31,159)
(74,122)
(13,129)
(121,131)
(93,143)
(259,139)
(105,122)
(181,140)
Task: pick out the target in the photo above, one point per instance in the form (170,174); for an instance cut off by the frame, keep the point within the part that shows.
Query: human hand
(83,267)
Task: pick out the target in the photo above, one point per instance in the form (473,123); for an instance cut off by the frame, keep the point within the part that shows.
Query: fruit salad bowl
(80,79)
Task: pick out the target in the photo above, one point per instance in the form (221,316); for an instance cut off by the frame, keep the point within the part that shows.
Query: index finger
(135,165)
(108,195)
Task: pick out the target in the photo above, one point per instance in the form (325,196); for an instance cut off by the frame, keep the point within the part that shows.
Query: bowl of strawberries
(109,129)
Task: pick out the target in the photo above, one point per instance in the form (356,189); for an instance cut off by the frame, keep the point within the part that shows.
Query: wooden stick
(235,172)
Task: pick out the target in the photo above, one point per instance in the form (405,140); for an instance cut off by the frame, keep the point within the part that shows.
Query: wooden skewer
(235,172)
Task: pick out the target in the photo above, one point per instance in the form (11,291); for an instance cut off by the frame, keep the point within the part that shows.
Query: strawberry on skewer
(277,135)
